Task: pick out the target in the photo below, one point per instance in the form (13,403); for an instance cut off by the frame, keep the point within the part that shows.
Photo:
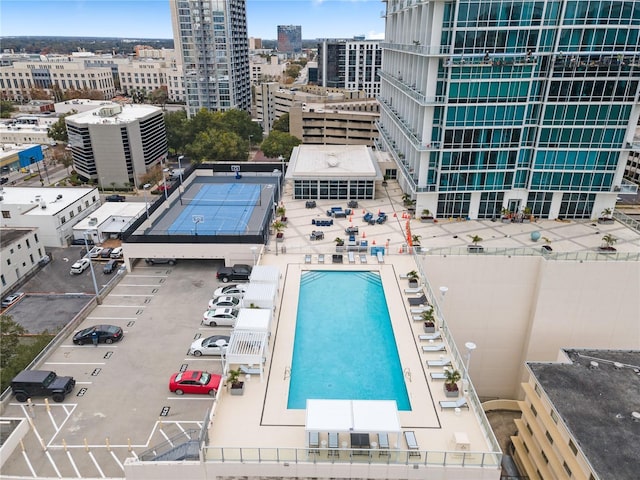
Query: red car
(195,381)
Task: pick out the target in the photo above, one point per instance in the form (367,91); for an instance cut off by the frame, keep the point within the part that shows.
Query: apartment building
(18,79)
(289,39)
(486,106)
(580,417)
(116,143)
(350,64)
(211,39)
(263,70)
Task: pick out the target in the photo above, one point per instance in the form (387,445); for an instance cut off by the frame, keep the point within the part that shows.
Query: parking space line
(26,459)
(84,383)
(96,464)
(117,460)
(55,425)
(73,464)
(53,464)
(166,437)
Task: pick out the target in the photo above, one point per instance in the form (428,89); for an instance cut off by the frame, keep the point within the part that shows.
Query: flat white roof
(352,416)
(10,149)
(26,196)
(318,161)
(110,210)
(129,113)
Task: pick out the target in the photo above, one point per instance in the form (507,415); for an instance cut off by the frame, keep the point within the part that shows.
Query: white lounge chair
(412,443)
(438,376)
(435,347)
(380,256)
(352,257)
(250,370)
(420,309)
(383,444)
(413,290)
(334,441)
(314,442)
(459,403)
(307,259)
(363,258)
(442,362)
(321,258)
(429,337)
(403,276)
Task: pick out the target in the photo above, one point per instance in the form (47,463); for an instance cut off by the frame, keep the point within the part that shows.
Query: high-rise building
(289,38)
(525,106)
(211,37)
(350,64)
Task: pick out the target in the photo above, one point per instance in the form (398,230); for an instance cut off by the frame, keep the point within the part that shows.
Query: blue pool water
(344,346)
(226,208)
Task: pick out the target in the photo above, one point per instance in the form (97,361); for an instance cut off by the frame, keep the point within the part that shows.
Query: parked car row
(11,299)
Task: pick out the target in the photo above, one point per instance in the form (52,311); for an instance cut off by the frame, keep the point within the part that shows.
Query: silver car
(220,317)
(80,266)
(222,302)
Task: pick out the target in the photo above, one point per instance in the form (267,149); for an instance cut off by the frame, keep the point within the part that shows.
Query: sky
(152,18)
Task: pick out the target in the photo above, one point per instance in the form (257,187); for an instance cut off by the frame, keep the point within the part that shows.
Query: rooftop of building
(11,235)
(10,149)
(332,161)
(31,199)
(111,210)
(114,113)
(596,394)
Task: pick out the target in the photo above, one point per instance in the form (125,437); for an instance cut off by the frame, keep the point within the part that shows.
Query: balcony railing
(412,91)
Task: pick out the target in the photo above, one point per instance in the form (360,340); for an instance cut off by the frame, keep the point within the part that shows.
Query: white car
(224,317)
(236,290)
(213,345)
(95,252)
(116,252)
(80,266)
(11,299)
(222,302)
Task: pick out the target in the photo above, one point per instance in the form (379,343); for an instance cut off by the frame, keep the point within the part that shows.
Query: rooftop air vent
(59,196)
(635,416)
(593,365)
(618,365)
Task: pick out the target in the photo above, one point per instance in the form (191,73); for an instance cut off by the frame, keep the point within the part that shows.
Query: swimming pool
(344,347)
(224,208)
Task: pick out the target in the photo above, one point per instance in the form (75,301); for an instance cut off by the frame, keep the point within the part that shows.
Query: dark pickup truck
(41,383)
(237,273)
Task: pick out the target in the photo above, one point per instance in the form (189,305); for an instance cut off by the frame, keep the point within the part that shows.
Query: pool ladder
(407,373)
(287,372)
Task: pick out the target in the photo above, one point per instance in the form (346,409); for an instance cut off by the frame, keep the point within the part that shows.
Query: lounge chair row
(361,440)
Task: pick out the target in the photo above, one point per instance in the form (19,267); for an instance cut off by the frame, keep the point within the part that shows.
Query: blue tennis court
(217,209)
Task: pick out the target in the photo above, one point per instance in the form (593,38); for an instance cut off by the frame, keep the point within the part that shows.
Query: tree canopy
(282,123)
(6,107)
(279,143)
(212,136)
(58,131)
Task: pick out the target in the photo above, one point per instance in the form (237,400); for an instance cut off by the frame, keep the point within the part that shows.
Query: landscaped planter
(453,393)
(429,327)
(237,389)
(413,282)
(607,250)
(606,220)
(279,237)
(426,219)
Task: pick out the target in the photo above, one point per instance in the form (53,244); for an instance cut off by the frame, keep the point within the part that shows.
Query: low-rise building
(581,417)
(14,157)
(20,251)
(109,221)
(54,211)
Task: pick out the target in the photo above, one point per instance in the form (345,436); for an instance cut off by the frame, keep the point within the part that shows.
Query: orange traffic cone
(373,243)
(395,215)
(351,218)
(364,211)
(364,235)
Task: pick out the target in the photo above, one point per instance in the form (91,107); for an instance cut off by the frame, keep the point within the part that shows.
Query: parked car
(238,273)
(41,383)
(80,266)
(80,241)
(220,317)
(11,299)
(235,290)
(106,253)
(156,261)
(110,266)
(115,198)
(95,252)
(106,334)
(213,345)
(221,302)
(4,180)
(195,381)
(116,252)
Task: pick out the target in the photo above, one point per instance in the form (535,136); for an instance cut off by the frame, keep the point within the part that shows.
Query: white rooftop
(317,161)
(55,198)
(121,114)
(10,149)
(125,210)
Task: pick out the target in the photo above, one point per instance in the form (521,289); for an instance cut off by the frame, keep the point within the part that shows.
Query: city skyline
(119,18)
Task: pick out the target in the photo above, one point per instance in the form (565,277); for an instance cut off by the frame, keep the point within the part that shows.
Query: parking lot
(121,405)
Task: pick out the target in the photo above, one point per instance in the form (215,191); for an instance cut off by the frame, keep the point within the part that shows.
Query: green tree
(159,96)
(216,145)
(282,123)
(6,108)
(11,332)
(176,126)
(279,143)
(58,131)
(293,71)
(67,161)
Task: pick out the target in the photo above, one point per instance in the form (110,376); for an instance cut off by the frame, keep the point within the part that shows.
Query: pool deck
(260,419)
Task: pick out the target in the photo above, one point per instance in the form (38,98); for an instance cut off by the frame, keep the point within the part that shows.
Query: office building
(211,39)
(487,106)
(21,251)
(350,64)
(117,144)
(580,417)
(289,39)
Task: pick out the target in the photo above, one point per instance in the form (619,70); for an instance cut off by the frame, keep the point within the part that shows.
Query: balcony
(411,90)
(406,129)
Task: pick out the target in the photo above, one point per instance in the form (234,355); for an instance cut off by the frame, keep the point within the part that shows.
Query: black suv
(41,383)
(238,273)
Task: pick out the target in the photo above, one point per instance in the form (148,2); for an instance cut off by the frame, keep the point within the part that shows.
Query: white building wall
(526,308)
(19,257)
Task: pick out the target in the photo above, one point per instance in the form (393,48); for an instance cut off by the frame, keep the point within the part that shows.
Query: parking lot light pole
(93,273)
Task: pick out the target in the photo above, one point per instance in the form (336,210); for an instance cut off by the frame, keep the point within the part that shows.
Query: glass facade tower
(493,104)
(211,38)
